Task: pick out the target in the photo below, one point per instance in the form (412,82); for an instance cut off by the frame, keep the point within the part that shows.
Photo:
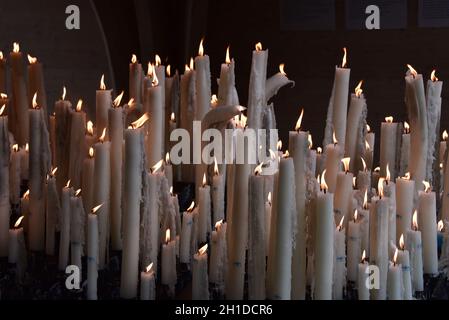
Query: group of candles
(110,187)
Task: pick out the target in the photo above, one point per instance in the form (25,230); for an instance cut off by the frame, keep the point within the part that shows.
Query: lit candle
(5,206)
(77,125)
(257,84)
(168,263)
(218,254)
(404,261)
(414,245)
(186,235)
(116,122)
(362,279)
(369,147)
(433,109)
(16,240)
(324,242)
(14,175)
(200,282)
(19,117)
(339,275)
(64,242)
(92,252)
(147,284)
(39,166)
(159,70)
(354,247)
(442,149)
(87,180)
(405,192)
(333,153)
(101,193)
(389,190)
(24,208)
(135,80)
(52,212)
(134,155)
(36,83)
(227,93)
(428,225)
(343,193)
(394,279)
(77,225)
(388,138)
(168,170)
(364,216)
(405,150)
(103,102)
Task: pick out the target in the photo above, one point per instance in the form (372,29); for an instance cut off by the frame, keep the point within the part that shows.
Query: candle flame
(346,163)
(441,165)
(190,208)
(157,60)
(102,85)
(426,186)
(64,92)
(16,47)
(363,256)
(444,135)
(167,235)
(96,208)
(133,58)
(406,127)
(3,95)
(77,192)
(340,225)
(204,180)
(157,166)
(258,46)
(298,123)
(15,147)
(365,199)
(167,158)
(323,184)
(412,70)
(433,77)
(272,154)
(406,176)
(356,213)
(2,109)
(1,55)
(281,69)
(395,258)
(401,242)
(258,169)
(168,71)
(286,154)
(310,141)
(319,150)
(53,172)
(218,224)
(279,145)
(27,147)
(149,267)
(171,190)
(90,127)
(79,105)
(201,48)
(32,60)
(103,135)
(343,64)
(389,119)
(118,99)
(358,89)
(269,197)
(26,195)
(18,222)
(363,163)
(34,102)
(67,185)
(440,226)
(155,81)
(214,99)
(368,128)
(334,138)
(227,59)
(202,250)
(387,178)
(415,220)
(150,70)
(186,68)
(91,152)
(354,182)
(172,117)
(380,187)
(216,172)
(191,66)
(140,122)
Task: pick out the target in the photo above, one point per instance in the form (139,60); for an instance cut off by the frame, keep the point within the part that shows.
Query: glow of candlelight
(258,46)
(102,85)
(141,121)
(103,135)
(389,119)
(343,64)
(202,250)
(15,47)
(34,102)
(412,70)
(133,58)
(281,69)
(118,99)
(96,208)
(227,59)
(18,222)
(79,105)
(346,163)
(298,123)
(358,89)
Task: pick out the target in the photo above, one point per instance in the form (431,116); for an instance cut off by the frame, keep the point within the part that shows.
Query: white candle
(354,247)
(14,175)
(364,216)
(168,170)
(405,191)
(339,276)
(77,225)
(218,254)
(257,81)
(52,213)
(217,194)
(362,279)
(62,119)
(77,127)
(333,153)
(116,122)
(414,245)
(389,190)
(134,155)
(394,279)
(87,180)
(92,253)
(36,83)
(103,104)
(200,282)
(405,150)
(428,226)
(64,242)
(388,138)
(433,109)
(147,284)
(101,193)
(24,208)
(404,261)
(4,183)
(186,235)
(168,262)
(343,193)
(256,245)
(324,242)
(15,240)
(204,211)
(340,101)
(135,80)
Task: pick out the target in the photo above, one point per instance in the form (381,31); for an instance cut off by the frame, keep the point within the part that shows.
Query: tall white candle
(394,279)
(343,193)
(354,247)
(168,262)
(15,238)
(64,242)
(404,261)
(200,282)
(4,183)
(14,175)
(204,211)
(405,191)
(92,253)
(135,80)
(103,104)
(388,139)
(333,153)
(414,245)
(339,276)
(362,278)
(186,234)
(77,127)
(218,193)
(52,210)
(147,284)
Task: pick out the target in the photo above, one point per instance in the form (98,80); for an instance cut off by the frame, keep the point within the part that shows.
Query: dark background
(112,30)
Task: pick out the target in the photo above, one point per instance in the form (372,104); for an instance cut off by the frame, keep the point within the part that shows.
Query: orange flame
(15,47)
(258,46)
(2,109)
(95,209)
(34,102)
(190,208)
(157,60)
(90,128)
(346,163)
(258,169)
(168,70)
(389,119)
(216,172)
(172,117)
(91,152)
(433,77)
(64,92)
(102,85)
(149,268)
(18,222)
(140,122)
(358,89)
(227,59)
(412,70)
(401,242)
(103,135)
(426,186)
(202,250)
(343,64)
(201,48)
(167,235)
(118,99)
(281,69)
(157,166)
(79,105)
(133,59)
(32,60)
(298,123)
(415,220)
